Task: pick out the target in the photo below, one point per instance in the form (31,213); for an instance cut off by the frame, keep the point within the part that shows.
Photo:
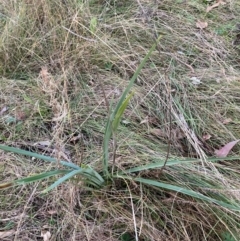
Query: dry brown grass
(52,70)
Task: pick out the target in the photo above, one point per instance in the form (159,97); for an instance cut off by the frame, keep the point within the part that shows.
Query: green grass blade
(93,25)
(33,178)
(109,126)
(122,108)
(95,177)
(89,173)
(185,191)
(91,177)
(155,165)
(107,137)
(63,179)
(41,176)
(160,164)
(39,156)
(137,72)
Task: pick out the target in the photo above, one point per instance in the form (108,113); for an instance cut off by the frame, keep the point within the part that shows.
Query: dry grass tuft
(57,65)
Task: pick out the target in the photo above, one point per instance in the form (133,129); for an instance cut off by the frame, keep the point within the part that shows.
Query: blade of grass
(41,176)
(92,177)
(39,156)
(33,178)
(62,179)
(108,129)
(137,72)
(160,164)
(185,191)
(88,172)
(122,108)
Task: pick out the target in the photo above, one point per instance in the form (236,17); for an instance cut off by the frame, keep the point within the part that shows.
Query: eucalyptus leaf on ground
(224,151)
(201,24)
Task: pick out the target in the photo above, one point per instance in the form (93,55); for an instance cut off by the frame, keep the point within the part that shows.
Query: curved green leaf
(62,179)
(91,176)
(185,191)
(36,155)
(116,114)
(41,176)
(122,108)
(160,164)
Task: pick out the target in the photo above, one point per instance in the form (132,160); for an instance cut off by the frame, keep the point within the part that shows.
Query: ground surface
(61,62)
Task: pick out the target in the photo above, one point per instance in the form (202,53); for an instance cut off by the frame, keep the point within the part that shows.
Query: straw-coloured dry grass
(62,64)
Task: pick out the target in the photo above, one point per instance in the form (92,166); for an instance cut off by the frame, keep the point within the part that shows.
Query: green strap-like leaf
(62,179)
(122,108)
(185,191)
(161,163)
(91,176)
(36,155)
(41,176)
(113,115)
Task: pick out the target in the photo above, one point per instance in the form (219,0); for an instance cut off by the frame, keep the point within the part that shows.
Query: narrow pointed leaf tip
(120,112)
(224,151)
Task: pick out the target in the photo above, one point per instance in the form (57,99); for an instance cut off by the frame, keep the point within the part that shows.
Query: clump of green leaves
(99,179)
(90,176)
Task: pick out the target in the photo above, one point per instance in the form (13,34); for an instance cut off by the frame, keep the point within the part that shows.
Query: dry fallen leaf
(145,120)
(149,120)
(201,24)
(4,109)
(158,132)
(44,74)
(20,115)
(46,235)
(219,2)
(4,234)
(59,118)
(226,121)
(42,143)
(176,133)
(51,212)
(206,137)
(3,186)
(223,152)
(74,139)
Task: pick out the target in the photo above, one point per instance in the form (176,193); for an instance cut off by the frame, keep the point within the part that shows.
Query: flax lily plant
(98,180)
